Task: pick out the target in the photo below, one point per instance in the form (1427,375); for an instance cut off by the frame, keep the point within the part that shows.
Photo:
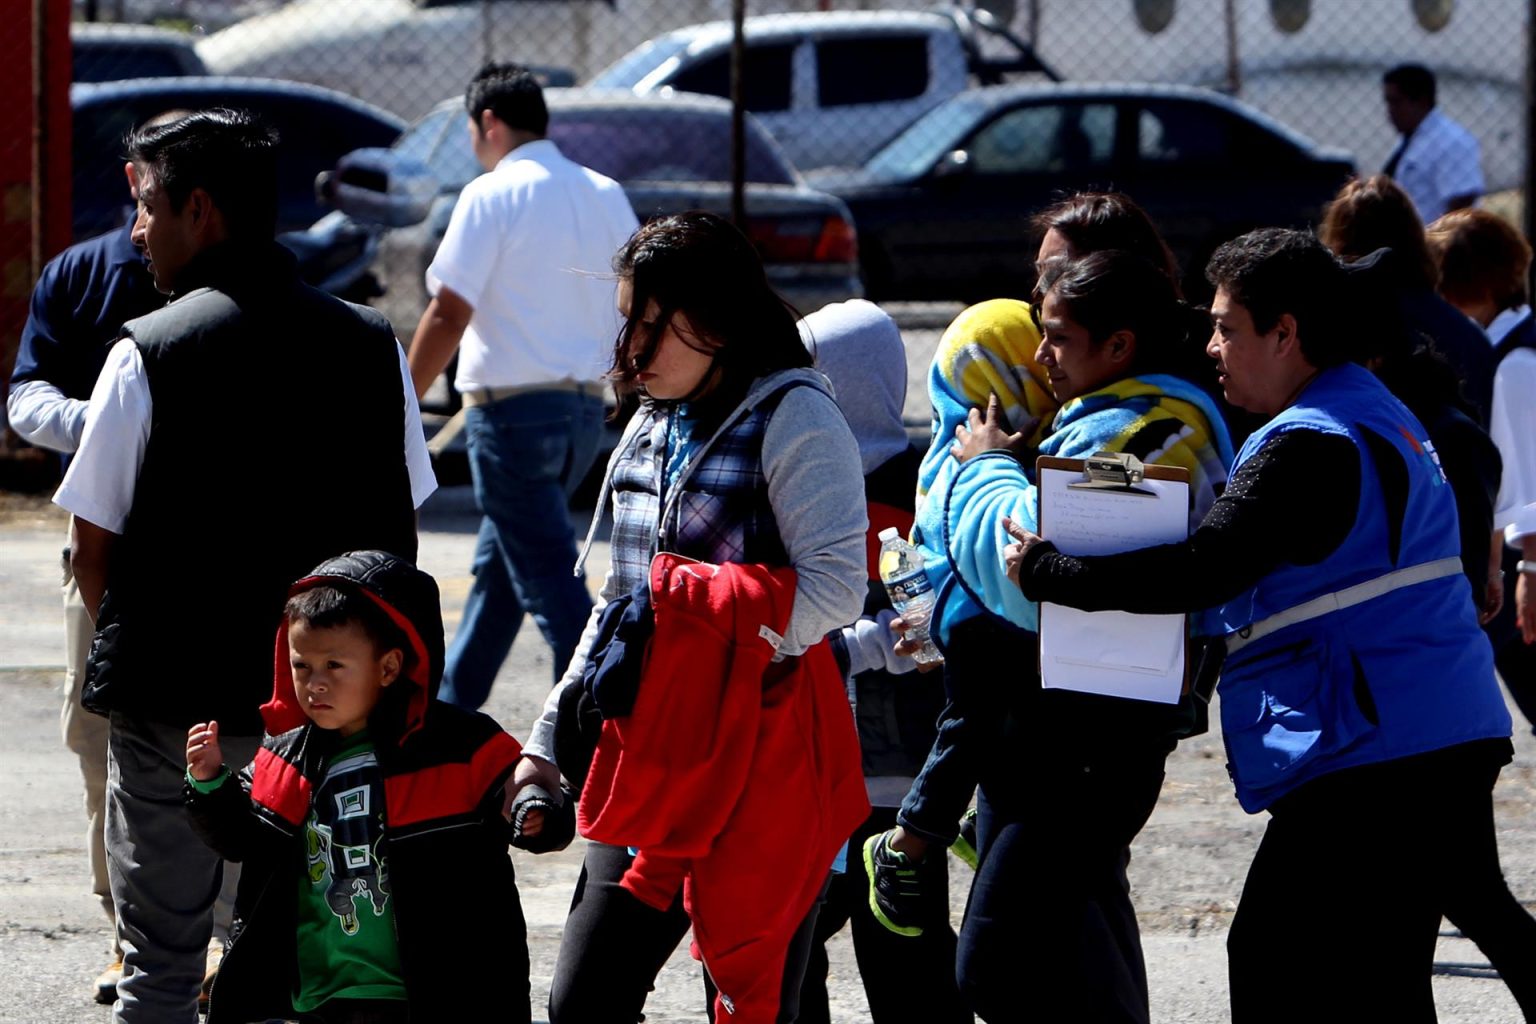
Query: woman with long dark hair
(736,457)
(1050,930)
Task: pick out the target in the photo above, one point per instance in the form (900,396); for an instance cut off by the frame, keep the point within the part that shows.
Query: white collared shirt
(1512,425)
(1440,163)
(530,247)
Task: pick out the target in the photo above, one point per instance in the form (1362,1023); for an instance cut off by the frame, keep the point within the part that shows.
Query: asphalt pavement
(1187,868)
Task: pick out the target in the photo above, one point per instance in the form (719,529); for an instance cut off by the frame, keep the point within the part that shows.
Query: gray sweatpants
(164,880)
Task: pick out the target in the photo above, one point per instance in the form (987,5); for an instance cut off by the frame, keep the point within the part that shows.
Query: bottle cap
(890,533)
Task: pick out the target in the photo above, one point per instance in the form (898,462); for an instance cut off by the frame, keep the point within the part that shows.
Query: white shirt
(1441,162)
(99,484)
(530,246)
(43,415)
(1512,425)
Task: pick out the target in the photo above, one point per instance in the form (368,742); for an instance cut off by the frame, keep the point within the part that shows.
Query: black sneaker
(895,886)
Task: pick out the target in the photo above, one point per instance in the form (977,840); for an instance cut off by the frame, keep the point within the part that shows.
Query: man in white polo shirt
(523,279)
(1437,161)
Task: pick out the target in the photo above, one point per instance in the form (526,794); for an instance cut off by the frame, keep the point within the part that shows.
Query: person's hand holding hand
(1493,598)
(909,648)
(204,758)
(1013,554)
(535,771)
(989,432)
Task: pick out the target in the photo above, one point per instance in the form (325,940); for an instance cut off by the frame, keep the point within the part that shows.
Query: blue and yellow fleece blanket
(1158,418)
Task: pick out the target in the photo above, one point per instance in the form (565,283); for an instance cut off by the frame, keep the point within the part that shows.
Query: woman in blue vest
(1358,700)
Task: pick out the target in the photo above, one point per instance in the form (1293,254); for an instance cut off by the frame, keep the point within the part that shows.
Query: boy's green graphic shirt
(347,946)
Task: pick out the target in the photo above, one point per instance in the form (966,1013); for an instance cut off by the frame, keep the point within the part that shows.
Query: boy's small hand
(908,648)
(204,758)
(533,824)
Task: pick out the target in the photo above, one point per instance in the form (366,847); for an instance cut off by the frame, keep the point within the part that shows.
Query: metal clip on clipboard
(1113,471)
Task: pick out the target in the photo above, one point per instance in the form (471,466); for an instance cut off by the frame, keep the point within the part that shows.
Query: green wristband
(212,784)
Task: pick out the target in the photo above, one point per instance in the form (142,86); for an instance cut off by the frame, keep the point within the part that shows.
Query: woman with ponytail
(1066,779)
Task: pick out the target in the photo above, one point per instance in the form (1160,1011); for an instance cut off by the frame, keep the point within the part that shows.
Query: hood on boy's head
(407,595)
(858,346)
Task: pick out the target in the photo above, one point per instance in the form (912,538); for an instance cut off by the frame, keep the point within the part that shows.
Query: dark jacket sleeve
(1472,465)
(1294,501)
(223,819)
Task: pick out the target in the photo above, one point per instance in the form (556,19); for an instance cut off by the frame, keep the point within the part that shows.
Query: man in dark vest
(251,429)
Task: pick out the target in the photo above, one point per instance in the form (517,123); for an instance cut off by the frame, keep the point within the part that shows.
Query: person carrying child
(371,823)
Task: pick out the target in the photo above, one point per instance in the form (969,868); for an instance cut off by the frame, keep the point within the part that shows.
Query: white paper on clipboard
(1116,654)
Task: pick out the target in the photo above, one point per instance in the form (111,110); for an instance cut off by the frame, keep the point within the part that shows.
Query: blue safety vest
(1370,654)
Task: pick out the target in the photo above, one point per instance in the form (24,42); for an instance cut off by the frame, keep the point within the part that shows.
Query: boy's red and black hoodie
(456,910)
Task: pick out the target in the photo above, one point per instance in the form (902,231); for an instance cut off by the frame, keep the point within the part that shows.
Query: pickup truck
(833,87)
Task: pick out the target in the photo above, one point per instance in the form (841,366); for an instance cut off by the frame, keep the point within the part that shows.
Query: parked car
(397,54)
(103,52)
(943,210)
(832,87)
(670,155)
(317,127)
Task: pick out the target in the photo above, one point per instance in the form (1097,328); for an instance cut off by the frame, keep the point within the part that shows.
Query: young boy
(859,347)
(371,824)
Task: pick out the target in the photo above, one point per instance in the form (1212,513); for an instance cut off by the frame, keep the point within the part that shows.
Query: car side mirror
(954,164)
(379,186)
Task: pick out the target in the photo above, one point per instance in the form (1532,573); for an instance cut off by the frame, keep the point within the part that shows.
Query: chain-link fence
(895,149)
(874,102)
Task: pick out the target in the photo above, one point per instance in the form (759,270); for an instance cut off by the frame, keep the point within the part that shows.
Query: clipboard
(1105,504)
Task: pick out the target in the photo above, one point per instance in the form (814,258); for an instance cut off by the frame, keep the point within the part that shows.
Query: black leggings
(614,946)
(1352,877)
(1050,933)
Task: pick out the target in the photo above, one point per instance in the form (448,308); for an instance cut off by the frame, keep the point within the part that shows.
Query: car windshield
(628,70)
(918,148)
(639,144)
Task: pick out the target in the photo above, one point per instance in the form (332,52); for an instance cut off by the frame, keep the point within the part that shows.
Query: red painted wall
(34,154)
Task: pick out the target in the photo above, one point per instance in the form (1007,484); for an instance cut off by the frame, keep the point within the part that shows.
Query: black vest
(1522,335)
(276,442)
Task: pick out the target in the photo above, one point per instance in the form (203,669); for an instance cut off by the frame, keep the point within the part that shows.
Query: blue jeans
(526,454)
(977,662)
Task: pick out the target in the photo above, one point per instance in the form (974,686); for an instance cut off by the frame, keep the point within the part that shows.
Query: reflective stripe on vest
(1340,599)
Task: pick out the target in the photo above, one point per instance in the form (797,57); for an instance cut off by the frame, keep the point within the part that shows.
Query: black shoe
(104,990)
(895,886)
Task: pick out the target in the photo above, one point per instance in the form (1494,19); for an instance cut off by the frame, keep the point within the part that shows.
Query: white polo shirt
(1441,162)
(530,246)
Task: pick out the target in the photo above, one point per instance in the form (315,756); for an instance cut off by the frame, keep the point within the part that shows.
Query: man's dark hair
(511,93)
(1414,81)
(1274,271)
(227,153)
(329,606)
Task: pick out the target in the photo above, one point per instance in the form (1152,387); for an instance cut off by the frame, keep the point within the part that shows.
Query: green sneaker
(964,845)
(895,886)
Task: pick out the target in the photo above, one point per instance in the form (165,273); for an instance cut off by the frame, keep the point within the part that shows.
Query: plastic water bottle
(910,590)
